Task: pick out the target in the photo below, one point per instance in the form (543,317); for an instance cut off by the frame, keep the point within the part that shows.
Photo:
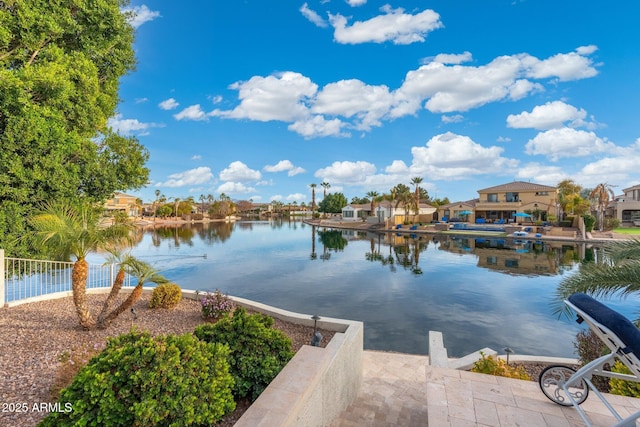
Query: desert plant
(167,295)
(622,387)
(258,352)
(215,305)
(589,222)
(495,366)
(589,347)
(143,380)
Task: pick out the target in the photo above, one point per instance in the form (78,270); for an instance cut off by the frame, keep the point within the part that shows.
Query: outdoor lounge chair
(567,387)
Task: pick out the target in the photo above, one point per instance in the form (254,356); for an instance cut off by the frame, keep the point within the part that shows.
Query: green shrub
(611,223)
(258,352)
(589,222)
(167,295)
(494,366)
(140,380)
(622,387)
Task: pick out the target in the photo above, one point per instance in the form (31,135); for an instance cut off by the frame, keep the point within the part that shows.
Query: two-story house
(504,202)
(123,202)
(627,206)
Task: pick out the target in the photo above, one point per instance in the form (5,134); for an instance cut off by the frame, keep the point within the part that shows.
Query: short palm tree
(70,231)
(373,195)
(617,273)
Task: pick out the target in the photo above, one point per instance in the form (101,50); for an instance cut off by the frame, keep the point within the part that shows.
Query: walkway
(402,390)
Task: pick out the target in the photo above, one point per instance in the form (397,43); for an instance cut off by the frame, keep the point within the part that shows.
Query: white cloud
(284,165)
(564,66)
(141,100)
(448,58)
(567,142)
(140,15)
(548,116)
(353,98)
(356,3)
(130,126)
(276,97)
(394,25)
(195,176)
(168,104)
(346,172)
(452,156)
(235,188)
(238,171)
(193,112)
(456,118)
(196,157)
(542,174)
(312,16)
(344,105)
(296,197)
(317,126)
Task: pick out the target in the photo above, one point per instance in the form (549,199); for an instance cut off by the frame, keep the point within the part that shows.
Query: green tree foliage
(333,203)
(258,351)
(139,380)
(616,273)
(60,65)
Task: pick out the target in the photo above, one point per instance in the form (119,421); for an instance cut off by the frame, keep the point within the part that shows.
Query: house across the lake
(386,210)
(123,203)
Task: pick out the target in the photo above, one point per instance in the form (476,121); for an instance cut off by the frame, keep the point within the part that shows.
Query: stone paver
(403,390)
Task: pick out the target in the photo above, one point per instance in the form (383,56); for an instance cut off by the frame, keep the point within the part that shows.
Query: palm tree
(617,273)
(325,186)
(313,197)
(176,203)
(68,231)
(416,181)
(155,205)
(373,195)
(603,194)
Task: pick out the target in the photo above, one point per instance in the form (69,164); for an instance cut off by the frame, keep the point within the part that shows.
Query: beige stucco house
(503,203)
(628,205)
(123,202)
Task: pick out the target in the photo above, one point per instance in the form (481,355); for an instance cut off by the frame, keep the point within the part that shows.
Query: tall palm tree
(617,273)
(603,194)
(176,203)
(313,197)
(71,231)
(155,205)
(373,196)
(416,181)
(325,186)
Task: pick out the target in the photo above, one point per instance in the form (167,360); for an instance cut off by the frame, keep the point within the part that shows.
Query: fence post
(2,294)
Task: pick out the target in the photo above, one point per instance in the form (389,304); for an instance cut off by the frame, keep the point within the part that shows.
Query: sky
(259,99)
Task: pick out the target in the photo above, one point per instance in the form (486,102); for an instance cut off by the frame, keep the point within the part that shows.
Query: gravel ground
(33,337)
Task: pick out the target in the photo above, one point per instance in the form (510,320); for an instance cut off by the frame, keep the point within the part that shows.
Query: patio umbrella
(522,214)
(466,213)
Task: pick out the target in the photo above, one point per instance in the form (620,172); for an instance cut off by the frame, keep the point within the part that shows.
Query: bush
(611,223)
(258,352)
(495,366)
(150,381)
(215,305)
(589,222)
(167,295)
(622,387)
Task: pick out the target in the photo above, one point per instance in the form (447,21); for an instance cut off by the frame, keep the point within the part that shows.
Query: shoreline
(595,237)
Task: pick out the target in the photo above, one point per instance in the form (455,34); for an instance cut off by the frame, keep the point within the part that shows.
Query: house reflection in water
(517,257)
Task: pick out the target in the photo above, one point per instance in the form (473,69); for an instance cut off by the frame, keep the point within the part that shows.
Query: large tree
(60,65)
(602,195)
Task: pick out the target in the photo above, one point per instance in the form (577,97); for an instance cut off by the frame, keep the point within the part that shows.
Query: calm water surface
(478,292)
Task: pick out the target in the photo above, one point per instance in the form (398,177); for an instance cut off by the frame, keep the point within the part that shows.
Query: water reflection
(480,292)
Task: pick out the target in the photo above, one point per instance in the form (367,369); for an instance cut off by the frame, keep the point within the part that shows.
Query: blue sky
(258,99)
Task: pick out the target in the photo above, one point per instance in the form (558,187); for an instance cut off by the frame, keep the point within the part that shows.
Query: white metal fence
(27,278)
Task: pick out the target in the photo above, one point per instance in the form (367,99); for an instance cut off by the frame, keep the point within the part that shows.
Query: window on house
(492,197)
(348,214)
(512,197)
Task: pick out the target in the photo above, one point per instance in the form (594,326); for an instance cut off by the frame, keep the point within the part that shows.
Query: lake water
(480,292)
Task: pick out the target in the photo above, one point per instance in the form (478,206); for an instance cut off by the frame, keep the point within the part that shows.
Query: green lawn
(633,230)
